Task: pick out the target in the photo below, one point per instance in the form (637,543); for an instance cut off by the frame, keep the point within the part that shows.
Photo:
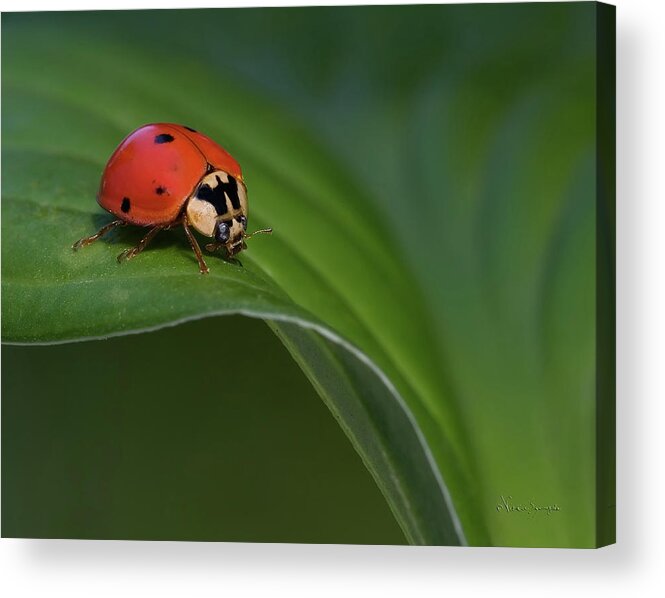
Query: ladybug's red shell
(154,171)
(216,155)
(163,175)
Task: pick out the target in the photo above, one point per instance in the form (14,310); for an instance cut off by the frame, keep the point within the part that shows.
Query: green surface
(430,176)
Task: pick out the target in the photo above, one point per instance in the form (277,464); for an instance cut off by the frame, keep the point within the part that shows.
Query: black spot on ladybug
(160,190)
(214,196)
(125,207)
(217,196)
(231,190)
(163,138)
(192,130)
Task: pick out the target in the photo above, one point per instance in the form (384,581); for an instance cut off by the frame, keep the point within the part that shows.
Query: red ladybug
(163,175)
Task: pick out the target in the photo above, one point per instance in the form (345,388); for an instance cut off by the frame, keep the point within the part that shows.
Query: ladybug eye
(222,232)
(243,222)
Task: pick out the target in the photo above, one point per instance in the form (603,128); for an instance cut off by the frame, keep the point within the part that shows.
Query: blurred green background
(454,146)
(165,436)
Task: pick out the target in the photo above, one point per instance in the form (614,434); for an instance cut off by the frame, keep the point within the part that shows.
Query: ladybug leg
(203,268)
(231,255)
(128,254)
(100,233)
(212,247)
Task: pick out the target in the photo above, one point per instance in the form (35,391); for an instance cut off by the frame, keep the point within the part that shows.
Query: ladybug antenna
(261,231)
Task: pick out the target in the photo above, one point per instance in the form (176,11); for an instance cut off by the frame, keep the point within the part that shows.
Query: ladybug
(165,175)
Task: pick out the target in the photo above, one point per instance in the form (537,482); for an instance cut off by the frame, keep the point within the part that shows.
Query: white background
(635,566)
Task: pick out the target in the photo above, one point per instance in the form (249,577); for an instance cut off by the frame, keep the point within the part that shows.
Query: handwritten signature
(507,505)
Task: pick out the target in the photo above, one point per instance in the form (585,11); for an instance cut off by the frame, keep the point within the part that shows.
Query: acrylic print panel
(421,352)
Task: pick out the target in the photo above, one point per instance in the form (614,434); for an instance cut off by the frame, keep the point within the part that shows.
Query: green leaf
(432,265)
(52,294)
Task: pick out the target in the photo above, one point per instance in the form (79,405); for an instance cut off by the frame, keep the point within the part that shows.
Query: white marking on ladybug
(218,198)
(202,215)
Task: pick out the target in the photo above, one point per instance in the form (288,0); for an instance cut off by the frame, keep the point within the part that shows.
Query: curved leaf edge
(414,536)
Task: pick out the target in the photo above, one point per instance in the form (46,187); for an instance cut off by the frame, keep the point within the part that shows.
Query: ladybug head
(218,209)
(231,233)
